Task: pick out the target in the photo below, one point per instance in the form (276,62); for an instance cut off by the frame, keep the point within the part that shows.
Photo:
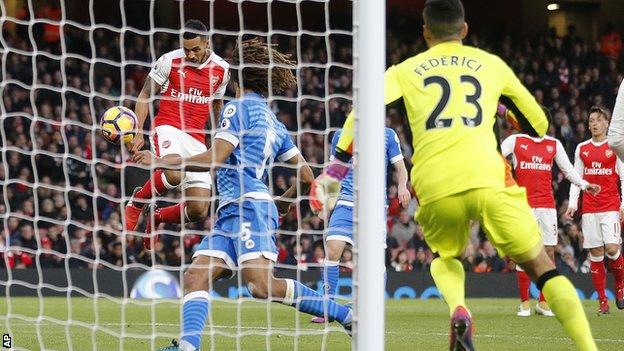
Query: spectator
(417,241)
(404,229)
(610,43)
(116,255)
(47,259)
(401,263)
(421,263)
(77,259)
(566,263)
(27,237)
(346,262)
(488,256)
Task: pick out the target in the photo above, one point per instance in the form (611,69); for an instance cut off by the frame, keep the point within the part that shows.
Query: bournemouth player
(243,236)
(451,93)
(602,214)
(532,160)
(340,227)
(191,82)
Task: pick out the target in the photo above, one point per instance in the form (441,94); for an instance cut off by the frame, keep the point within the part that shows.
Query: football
(119,124)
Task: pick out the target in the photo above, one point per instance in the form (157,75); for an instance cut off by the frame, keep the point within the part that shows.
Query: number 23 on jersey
(437,119)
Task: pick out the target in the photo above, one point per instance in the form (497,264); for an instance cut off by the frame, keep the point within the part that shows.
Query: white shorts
(168,140)
(600,229)
(547,222)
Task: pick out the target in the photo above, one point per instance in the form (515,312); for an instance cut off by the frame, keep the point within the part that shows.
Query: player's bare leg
(197,282)
(183,212)
(258,276)
(616,265)
(599,277)
(562,298)
(542,306)
(524,284)
(334,249)
(159,183)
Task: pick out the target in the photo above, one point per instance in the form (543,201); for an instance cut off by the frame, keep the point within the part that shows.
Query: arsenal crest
(214,80)
(550,149)
(608,153)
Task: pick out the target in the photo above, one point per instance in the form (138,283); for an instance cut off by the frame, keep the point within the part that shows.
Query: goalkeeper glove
(326,187)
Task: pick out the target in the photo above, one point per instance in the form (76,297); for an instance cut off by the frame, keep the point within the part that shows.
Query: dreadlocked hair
(260,59)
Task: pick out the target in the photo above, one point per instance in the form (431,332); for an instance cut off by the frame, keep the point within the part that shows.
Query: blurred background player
(191,81)
(451,93)
(603,213)
(244,233)
(616,127)
(532,160)
(340,227)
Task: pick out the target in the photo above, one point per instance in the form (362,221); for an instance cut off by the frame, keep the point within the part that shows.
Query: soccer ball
(119,124)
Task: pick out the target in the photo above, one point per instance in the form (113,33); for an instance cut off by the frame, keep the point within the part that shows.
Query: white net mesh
(68,271)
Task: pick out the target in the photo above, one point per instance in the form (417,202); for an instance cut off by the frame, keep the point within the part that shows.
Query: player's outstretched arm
(305,180)
(561,158)
(526,114)
(404,194)
(204,162)
(575,191)
(141,110)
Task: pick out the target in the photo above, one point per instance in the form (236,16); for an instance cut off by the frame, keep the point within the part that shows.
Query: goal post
(369,66)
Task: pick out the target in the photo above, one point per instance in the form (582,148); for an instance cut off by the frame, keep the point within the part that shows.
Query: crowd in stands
(63,185)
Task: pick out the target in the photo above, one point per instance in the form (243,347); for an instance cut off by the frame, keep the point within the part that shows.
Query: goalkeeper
(451,94)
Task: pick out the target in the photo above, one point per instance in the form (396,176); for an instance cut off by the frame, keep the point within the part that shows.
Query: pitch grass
(410,325)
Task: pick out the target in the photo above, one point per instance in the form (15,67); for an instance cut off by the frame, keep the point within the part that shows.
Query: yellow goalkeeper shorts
(504,214)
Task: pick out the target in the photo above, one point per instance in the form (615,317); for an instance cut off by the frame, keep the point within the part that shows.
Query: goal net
(72,278)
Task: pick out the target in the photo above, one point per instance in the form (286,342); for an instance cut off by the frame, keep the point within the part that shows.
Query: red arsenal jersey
(599,166)
(533,160)
(187,92)
(533,169)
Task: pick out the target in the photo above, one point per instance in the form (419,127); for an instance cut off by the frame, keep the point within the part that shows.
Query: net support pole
(369,60)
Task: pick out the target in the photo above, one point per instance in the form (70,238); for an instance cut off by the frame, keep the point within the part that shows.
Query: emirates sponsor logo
(597,169)
(536,164)
(194,95)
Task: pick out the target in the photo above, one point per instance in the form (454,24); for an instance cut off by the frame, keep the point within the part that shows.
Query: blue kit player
(340,227)
(249,139)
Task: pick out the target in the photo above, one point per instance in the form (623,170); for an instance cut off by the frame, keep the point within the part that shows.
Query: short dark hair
(193,29)
(444,18)
(602,111)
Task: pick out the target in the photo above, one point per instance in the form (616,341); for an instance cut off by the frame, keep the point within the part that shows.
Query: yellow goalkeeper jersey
(451,93)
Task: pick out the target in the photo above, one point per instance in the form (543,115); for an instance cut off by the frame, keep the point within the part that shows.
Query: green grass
(410,325)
